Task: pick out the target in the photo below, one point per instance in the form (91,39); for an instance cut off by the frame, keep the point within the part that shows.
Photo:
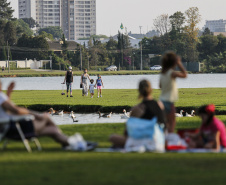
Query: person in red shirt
(212,134)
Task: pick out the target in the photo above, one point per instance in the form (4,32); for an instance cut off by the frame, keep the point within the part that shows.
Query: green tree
(192,18)
(23,28)
(56,31)
(207,32)
(3,55)
(30,21)
(6,12)
(2,33)
(177,21)
(10,33)
(207,46)
(46,35)
(221,46)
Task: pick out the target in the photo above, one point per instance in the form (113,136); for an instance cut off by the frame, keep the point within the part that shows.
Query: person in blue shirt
(99,84)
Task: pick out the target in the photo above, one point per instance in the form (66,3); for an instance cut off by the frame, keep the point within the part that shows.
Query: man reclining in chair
(42,125)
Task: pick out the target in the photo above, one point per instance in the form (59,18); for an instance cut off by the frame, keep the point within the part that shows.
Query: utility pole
(8,55)
(141,57)
(140,29)
(81,56)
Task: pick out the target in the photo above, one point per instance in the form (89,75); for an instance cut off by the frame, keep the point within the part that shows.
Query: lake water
(116,82)
(86,119)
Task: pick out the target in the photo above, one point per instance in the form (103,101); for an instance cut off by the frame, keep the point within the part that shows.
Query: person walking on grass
(69,80)
(99,84)
(91,88)
(168,86)
(84,82)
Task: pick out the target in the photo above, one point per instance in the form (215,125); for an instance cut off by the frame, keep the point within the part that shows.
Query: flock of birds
(125,115)
(185,114)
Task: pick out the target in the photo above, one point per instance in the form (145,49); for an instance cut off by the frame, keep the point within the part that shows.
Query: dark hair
(168,60)
(85,69)
(144,89)
(205,110)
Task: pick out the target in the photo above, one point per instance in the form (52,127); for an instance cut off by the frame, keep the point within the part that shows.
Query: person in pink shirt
(212,134)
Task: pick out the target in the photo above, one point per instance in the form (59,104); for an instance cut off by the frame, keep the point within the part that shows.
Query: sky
(135,13)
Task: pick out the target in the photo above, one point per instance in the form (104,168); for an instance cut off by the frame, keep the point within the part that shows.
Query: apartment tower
(77,18)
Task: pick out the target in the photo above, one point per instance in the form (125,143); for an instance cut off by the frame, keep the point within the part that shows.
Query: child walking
(91,88)
(169,91)
(99,84)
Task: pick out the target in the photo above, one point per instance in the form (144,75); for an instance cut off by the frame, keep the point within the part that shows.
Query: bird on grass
(104,115)
(190,115)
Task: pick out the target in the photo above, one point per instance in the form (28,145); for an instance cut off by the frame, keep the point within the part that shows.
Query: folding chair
(16,120)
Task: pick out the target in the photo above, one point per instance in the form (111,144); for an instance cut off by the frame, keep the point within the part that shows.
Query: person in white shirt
(91,88)
(168,85)
(42,125)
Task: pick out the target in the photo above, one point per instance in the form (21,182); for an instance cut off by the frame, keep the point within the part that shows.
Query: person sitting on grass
(42,125)
(212,134)
(147,109)
(99,84)
(69,80)
(91,88)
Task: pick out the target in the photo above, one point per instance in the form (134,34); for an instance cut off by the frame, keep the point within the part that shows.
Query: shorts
(99,87)
(26,126)
(91,91)
(169,107)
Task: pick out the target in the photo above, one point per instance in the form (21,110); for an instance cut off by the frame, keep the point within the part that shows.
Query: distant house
(56,46)
(219,33)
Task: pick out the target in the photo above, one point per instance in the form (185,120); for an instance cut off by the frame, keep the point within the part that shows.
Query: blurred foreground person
(212,134)
(42,125)
(147,110)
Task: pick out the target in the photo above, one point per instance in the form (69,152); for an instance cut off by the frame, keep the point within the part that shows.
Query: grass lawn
(116,100)
(33,73)
(54,166)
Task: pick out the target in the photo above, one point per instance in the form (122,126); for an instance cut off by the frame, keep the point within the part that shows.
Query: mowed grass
(54,166)
(34,73)
(189,99)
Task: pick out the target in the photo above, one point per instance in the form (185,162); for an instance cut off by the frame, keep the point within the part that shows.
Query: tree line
(179,32)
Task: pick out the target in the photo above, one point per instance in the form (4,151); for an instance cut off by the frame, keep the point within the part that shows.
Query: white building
(77,18)
(27,9)
(216,25)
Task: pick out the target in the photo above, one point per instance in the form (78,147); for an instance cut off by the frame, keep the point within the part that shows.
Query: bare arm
(89,78)
(10,107)
(102,82)
(72,78)
(182,73)
(10,89)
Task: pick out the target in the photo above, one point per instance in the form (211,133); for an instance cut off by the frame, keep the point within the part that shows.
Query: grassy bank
(116,100)
(54,166)
(33,73)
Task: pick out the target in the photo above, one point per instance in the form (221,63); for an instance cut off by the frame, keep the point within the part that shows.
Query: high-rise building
(27,9)
(77,18)
(216,25)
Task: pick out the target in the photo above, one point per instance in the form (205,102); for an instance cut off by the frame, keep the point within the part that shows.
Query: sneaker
(97,96)
(101,96)
(67,96)
(91,97)
(71,96)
